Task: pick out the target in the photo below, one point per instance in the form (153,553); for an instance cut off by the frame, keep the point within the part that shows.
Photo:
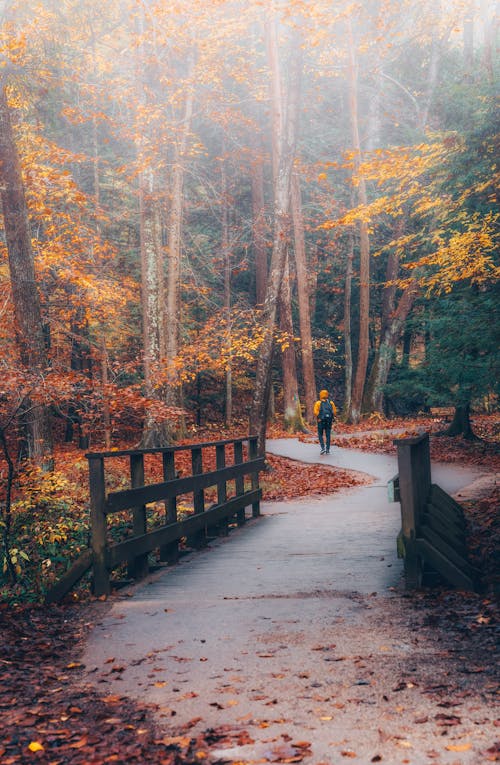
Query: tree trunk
(347,327)
(81,363)
(259,227)
(303,299)
(28,318)
(469,46)
(488,19)
(292,411)
(364,244)
(150,277)
(103,353)
(285,142)
(461,424)
(174,249)
(390,337)
(227,295)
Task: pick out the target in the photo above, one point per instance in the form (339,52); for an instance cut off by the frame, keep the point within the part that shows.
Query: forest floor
(48,716)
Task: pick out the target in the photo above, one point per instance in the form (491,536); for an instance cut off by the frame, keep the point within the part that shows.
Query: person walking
(324,410)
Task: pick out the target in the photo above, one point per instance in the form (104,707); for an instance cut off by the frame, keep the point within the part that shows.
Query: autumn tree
(285,142)
(25,298)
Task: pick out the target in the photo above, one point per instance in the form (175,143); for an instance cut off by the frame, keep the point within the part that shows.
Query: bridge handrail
(103,556)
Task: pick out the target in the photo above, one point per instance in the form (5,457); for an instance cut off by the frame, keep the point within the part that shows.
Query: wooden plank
(452,573)
(138,566)
(167,534)
(442,411)
(170,553)
(70,578)
(161,449)
(253,453)
(449,519)
(414,469)
(220,463)
(441,499)
(240,480)
(101,584)
(446,550)
(200,538)
(452,536)
(123,500)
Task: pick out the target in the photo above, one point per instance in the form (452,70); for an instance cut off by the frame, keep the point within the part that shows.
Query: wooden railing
(204,521)
(432,540)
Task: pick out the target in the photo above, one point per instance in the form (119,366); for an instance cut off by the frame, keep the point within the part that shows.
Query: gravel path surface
(294,641)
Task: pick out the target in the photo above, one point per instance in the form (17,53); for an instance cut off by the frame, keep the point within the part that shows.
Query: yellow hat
(323,394)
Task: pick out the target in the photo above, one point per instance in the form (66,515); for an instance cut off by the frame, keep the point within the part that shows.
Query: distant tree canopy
(228,205)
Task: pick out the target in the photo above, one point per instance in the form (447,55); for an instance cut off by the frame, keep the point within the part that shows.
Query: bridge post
(199,538)
(240,481)
(138,566)
(253,454)
(414,464)
(170,553)
(220,464)
(98,525)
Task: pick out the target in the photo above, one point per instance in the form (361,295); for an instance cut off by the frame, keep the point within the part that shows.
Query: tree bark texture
(259,227)
(347,327)
(303,298)
(461,424)
(364,244)
(292,411)
(226,254)
(172,326)
(391,335)
(25,297)
(286,147)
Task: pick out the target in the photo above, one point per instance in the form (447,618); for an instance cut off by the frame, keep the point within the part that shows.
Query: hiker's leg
(320,435)
(328,432)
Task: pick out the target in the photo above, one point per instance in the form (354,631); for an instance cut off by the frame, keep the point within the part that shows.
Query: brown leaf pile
(46,716)
(287,479)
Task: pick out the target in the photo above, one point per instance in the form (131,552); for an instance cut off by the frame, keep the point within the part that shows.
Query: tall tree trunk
(488,19)
(347,327)
(391,335)
(103,353)
(286,143)
(461,424)
(25,297)
(172,332)
(303,298)
(364,243)
(469,45)
(259,226)
(437,46)
(80,362)
(292,411)
(393,319)
(226,254)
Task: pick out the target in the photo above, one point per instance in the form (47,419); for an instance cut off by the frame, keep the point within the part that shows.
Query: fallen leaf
(35,746)
(458,747)
(79,744)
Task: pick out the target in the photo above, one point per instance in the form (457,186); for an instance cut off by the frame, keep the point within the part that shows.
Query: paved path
(238,634)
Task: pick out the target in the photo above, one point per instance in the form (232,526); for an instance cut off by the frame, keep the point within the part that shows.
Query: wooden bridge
(227,480)
(432,540)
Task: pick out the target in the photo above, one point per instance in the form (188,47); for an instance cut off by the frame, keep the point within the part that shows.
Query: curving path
(285,632)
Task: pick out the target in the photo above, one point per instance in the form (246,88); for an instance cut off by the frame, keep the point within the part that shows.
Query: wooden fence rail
(433,534)
(204,521)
